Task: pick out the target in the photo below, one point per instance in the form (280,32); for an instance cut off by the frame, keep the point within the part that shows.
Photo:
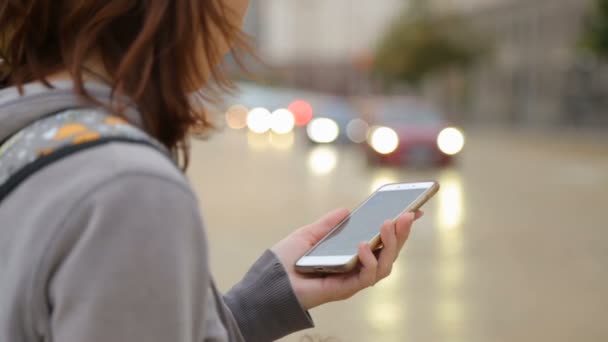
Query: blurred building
(320,44)
(461,6)
(535,73)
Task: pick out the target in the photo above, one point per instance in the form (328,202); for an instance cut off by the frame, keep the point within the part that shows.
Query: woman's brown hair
(149,48)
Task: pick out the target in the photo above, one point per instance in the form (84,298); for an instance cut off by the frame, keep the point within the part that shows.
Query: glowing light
(450,141)
(322,160)
(236,116)
(451,271)
(302,112)
(259,120)
(356,130)
(323,130)
(282,121)
(282,142)
(450,202)
(384,140)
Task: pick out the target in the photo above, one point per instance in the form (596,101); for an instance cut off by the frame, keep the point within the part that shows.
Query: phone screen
(365,222)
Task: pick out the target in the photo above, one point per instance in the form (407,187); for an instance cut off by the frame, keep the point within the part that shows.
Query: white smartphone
(337,252)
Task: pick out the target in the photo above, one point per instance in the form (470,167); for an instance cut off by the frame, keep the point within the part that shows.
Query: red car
(405,132)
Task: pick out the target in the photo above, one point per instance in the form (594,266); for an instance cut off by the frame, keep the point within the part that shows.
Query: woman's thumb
(328,221)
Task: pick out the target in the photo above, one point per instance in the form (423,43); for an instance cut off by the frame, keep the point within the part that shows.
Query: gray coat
(108,245)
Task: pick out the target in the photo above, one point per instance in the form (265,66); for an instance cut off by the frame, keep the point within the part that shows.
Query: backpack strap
(62,134)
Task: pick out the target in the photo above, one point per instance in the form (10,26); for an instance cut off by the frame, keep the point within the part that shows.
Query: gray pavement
(514,247)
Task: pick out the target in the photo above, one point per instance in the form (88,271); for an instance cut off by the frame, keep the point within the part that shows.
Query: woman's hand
(314,290)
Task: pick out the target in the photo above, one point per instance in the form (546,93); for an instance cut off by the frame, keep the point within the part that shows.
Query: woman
(107,244)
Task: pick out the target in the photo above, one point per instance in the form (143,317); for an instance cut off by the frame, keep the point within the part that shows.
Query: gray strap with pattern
(60,134)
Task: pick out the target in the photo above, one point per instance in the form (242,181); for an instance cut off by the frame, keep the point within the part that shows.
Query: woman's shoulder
(79,176)
(118,160)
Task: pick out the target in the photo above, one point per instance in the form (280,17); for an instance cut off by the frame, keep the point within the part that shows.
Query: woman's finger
(369,266)
(389,252)
(326,223)
(333,217)
(365,276)
(402,228)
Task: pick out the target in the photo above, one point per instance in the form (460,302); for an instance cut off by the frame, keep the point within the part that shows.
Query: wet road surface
(513,248)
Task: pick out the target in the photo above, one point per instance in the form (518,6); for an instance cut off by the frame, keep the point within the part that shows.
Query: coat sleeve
(264,304)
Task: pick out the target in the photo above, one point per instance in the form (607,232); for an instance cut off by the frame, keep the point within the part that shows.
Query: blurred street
(513,248)
(498,96)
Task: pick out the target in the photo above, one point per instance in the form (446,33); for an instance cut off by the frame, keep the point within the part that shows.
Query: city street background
(513,247)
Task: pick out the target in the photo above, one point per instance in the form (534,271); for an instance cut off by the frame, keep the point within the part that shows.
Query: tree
(596,30)
(419,43)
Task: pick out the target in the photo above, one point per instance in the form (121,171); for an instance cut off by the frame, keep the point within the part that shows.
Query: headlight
(302,112)
(323,130)
(357,130)
(384,140)
(236,116)
(450,141)
(282,121)
(259,120)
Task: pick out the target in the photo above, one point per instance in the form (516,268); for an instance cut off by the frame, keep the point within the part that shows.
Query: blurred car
(331,119)
(319,117)
(411,132)
(261,109)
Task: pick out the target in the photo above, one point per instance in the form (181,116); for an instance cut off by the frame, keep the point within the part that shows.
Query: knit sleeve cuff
(264,303)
